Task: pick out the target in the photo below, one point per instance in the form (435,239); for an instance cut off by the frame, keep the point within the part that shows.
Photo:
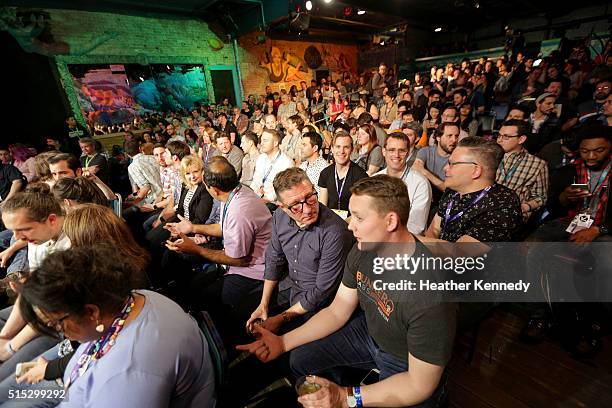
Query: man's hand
(585,235)
(35,374)
(147,208)
(525,208)
(260,313)
(5,257)
(330,395)
(418,166)
(267,348)
(183,245)
(273,323)
(573,194)
(183,227)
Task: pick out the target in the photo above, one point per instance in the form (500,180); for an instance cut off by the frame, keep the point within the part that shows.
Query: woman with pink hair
(23,159)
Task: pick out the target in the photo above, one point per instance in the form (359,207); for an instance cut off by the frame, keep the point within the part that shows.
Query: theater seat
(216,347)
(117,205)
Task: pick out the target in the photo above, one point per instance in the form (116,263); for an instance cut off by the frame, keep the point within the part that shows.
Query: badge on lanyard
(580,222)
(341,213)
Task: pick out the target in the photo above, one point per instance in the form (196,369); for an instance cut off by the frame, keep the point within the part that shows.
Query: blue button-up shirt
(313,256)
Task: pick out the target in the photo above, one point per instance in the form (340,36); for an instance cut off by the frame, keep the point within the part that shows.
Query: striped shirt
(187,201)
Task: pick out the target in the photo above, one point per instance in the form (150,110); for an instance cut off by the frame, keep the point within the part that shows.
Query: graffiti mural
(283,66)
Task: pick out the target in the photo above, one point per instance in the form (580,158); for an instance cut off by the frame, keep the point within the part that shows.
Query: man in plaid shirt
(520,171)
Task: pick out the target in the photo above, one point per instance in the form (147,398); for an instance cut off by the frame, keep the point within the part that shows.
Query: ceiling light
(438,29)
(327,1)
(477,5)
(361,12)
(309,5)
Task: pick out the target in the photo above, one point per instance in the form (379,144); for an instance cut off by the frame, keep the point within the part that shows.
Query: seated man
(397,147)
(310,148)
(431,160)
(92,162)
(310,242)
(409,342)
(144,175)
(336,180)
(245,227)
(520,171)
(271,162)
(474,208)
(581,188)
(67,165)
(232,153)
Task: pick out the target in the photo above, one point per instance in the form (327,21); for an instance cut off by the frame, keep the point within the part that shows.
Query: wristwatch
(351,401)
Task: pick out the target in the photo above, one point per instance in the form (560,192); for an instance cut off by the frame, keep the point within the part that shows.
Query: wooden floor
(507,373)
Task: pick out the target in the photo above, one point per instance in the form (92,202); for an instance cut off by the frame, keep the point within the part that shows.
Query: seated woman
(138,347)
(195,204)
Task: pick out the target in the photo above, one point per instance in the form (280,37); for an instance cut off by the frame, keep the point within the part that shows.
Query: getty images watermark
(495,272)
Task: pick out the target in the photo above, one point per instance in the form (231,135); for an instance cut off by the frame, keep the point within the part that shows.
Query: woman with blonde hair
(368,154)
(93,224)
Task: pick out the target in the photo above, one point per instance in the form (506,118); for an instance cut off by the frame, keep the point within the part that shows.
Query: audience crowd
(268,216)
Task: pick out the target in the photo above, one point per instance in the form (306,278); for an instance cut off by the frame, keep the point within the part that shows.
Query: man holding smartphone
(579,192)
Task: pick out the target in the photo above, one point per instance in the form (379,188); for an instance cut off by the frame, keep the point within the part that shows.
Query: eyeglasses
(311,199)
(452,163)
(58,324)
(506,137)
(602,88)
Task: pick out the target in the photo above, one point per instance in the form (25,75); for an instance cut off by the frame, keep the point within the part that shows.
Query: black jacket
(200,206)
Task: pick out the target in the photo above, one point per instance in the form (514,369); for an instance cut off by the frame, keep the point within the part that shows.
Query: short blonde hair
(191,161)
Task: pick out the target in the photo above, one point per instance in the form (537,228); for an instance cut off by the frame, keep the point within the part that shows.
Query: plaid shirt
(144,171)
(526,175)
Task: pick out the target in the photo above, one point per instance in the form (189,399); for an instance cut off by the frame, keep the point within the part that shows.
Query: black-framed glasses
(452,163)
(311,199)
(58,324)
(506,137)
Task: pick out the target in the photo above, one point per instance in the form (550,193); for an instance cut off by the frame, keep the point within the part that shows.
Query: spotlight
(327,1)
(309,5)
(477,5)
(361,12)
(438,29)
(141,78)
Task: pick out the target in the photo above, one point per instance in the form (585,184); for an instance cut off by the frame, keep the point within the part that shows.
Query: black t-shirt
(328,180)
(8,174)
(229,129)
(494,218)
(397,324)
(100,161)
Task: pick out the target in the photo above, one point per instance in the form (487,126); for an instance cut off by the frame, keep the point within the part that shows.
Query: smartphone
(584,187)
(23,368)
(372,377)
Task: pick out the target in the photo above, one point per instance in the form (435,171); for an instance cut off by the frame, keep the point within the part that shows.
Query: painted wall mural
(114,93)
(287,63)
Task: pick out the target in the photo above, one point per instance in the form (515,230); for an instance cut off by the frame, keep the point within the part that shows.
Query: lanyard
(341,188)
(97,349)
(508,175)
(265,177)
(227,203)
(591,203)
(448,218)
(89,159)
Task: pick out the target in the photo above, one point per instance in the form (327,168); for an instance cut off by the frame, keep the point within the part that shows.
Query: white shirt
(419,193)
(313,170)
(38,253)
(266,170)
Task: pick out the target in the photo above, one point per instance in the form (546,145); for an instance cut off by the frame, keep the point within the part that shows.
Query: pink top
(27,168)
(247,228)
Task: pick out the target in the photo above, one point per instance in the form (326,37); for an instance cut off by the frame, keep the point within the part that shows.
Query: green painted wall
(104,38)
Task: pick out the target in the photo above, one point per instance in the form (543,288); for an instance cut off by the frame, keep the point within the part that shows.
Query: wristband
(9,349)
(357,394)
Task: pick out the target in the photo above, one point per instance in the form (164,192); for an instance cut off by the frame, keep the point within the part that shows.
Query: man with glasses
(311,242)
(524,173)
(397,147)
(473,207)
(596,105)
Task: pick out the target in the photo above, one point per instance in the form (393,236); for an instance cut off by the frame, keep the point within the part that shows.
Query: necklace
(97,349)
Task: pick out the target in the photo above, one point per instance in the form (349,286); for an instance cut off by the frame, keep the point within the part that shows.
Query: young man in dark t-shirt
(92,162)
(337,179)
(409,342)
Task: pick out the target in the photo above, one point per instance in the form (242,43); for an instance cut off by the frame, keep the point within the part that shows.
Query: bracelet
(357,394)
(9,349)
